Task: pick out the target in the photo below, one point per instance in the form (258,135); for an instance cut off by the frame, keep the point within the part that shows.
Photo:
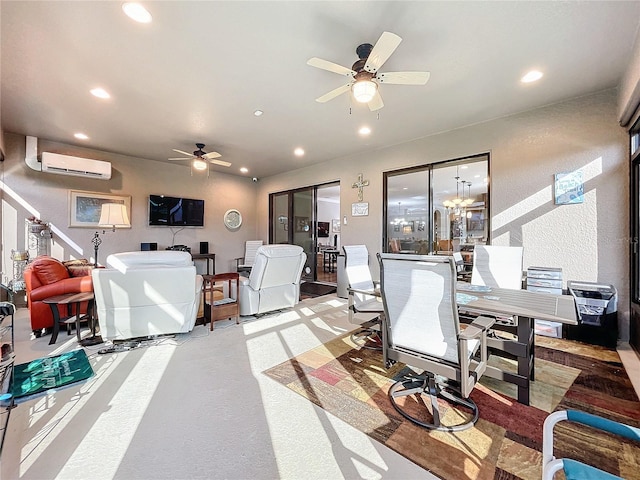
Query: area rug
(313,289)
(43,374)
(506,442)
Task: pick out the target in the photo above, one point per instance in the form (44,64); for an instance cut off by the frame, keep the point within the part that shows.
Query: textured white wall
(589,241)
(47,195)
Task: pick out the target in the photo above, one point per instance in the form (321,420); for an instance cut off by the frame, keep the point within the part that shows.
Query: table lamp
(112,215)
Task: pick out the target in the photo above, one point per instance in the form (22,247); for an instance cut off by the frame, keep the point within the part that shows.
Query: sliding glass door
(437,208)
(634,274)
(308,217)
(304,221)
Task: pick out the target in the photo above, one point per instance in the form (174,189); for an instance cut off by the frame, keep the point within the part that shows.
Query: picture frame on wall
(335,225)
(568,188)
(85,207)
(360,209)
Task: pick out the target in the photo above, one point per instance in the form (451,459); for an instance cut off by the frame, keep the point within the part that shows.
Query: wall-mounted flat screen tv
(168,211)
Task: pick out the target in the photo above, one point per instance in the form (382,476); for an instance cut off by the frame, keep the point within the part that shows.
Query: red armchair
(46,277)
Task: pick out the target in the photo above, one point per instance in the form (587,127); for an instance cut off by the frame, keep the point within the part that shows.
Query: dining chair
(461,271)
(365,308)
(420,328)
(497,266)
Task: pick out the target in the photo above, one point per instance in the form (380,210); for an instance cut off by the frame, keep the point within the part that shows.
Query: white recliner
(141,294)
(274,282)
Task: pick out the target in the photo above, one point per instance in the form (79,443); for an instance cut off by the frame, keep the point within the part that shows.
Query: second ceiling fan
(200,159)
(364,75)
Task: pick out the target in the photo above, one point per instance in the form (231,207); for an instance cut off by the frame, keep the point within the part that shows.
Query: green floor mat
(43,374)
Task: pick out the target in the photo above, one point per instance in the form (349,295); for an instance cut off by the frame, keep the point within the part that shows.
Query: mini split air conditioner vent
(75,166)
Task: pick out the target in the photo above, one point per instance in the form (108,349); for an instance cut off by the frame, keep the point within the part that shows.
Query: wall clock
(232,219)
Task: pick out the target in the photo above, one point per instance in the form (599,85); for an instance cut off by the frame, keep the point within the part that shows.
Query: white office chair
(420,328)
(244,264)
(496,266)
(364,308)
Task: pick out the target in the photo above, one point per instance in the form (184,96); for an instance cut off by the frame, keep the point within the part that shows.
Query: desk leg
(525,362)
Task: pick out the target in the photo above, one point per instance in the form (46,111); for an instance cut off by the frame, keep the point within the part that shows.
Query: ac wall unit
(76,166)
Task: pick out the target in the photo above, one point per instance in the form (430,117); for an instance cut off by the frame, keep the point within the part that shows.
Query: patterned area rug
(506,442)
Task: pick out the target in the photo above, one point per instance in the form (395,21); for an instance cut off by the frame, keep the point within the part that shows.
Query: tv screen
(175,211)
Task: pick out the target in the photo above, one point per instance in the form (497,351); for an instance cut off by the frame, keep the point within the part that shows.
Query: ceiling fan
(200,159)
(364,75)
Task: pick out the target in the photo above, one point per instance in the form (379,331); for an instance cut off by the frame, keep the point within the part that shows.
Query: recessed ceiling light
(100,93)
(364,131)
(258,113)
(532,76)
(298,152)
(136,12)
(244,169)
(81,136)
(463,167)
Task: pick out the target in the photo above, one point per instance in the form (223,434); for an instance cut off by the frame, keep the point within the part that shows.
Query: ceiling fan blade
(382,50)
(404,78)
(179,158)
(221,162)
(334,93)
(182,152)
(211,155)
(376,102)
(330,66)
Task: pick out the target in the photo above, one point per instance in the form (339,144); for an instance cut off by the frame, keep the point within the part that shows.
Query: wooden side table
(70,300)
(225,307)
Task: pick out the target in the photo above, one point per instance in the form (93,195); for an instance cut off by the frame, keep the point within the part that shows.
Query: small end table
(71,300)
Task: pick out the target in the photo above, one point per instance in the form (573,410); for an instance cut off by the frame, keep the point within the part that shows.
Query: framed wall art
(360,209)
(85,207)
(568,188)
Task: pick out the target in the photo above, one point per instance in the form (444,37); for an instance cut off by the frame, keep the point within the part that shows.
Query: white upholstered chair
(141,294)
(497,266)
(244,264)
(274,282)
(364,307)
(421,328)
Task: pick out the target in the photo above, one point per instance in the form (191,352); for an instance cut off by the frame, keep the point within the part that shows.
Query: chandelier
(459,204)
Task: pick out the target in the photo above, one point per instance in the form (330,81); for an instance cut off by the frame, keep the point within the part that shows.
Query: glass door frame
(634,230)
(311,266)
(430,167)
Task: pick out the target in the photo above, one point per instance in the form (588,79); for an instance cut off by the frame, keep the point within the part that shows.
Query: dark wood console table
(70,300)
(210,259)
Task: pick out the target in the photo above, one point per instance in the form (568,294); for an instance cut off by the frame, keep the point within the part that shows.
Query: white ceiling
(200,69)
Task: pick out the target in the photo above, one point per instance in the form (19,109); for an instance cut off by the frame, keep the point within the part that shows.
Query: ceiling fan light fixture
(364,90)
(199,164)
(136,12)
